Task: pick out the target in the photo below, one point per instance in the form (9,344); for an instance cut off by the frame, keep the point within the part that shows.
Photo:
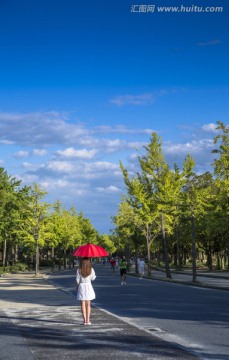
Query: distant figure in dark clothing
(123,266)
(112,262)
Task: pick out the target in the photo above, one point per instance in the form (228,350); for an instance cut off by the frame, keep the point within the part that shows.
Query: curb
(189,283)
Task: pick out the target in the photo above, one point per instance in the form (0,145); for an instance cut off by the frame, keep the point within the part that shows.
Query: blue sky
(84,83)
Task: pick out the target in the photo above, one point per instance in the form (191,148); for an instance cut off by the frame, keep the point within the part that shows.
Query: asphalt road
(38,321)
(194,317)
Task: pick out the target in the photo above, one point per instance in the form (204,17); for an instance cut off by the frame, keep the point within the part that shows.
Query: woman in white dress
(141,268)
(85,292)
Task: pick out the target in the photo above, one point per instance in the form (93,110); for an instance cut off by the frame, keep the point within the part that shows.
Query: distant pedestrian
(116,263)
(112,262)
(123,266)
(141,267)
(85,292)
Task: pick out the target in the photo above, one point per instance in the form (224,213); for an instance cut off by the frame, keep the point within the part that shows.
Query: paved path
(38,321)
(214,280)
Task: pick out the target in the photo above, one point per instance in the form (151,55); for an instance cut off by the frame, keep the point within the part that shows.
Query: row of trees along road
(32,229)
(176,211)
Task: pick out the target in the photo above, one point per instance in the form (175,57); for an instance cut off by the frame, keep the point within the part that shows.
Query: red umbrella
(90,250)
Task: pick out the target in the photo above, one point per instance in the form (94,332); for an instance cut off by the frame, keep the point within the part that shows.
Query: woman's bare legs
(83,309)
(86,310)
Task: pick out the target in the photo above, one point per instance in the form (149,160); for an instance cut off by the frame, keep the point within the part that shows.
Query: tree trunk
(65,262)
(184,258)
(179,255)
(218,267)
(16,253)
(70,258)
(228,255)
(53,259)
(175,262)
(4,253)
(13,254)
(157,256)
(148,259)
(127,254)
(193,250)
(224,261)
(37,256)
(228,237)
(167,268)
(148,243)
(136,258)
(209,260)
(59,258)
(221,261)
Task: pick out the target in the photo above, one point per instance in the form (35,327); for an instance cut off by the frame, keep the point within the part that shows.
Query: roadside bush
(20,267)
(7,269)
(46,262)
(14,269)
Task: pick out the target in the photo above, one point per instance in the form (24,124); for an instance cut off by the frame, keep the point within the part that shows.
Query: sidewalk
(213,280)
(41,322)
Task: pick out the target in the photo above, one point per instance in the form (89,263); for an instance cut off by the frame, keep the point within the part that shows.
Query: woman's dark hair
(85,267)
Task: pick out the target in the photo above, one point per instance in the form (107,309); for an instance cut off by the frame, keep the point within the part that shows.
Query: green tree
(146,192)
(127,228)
(106,241)
(88,233)
(38,212)
(221,170)
(70,231)
(144,206)
(12,202)
(63,232)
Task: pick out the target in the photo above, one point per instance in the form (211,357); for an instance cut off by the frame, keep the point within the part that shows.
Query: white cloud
(133,158)
(36,152)
(143,99)
(200,150)
(79,192)
(28,165)
(99,170)
(42,129)
(60,183)
(193,147)
(39,152)
(73,153)
(21,154)
(60,166)
(108,190)
(121,130)
(210,128)
(81,164)
(67,187)
(6,142)
(102,166)
(114,145)
(72,171)
(28,178)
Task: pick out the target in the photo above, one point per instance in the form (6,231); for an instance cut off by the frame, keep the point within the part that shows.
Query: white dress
(141,266)
(85,289)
